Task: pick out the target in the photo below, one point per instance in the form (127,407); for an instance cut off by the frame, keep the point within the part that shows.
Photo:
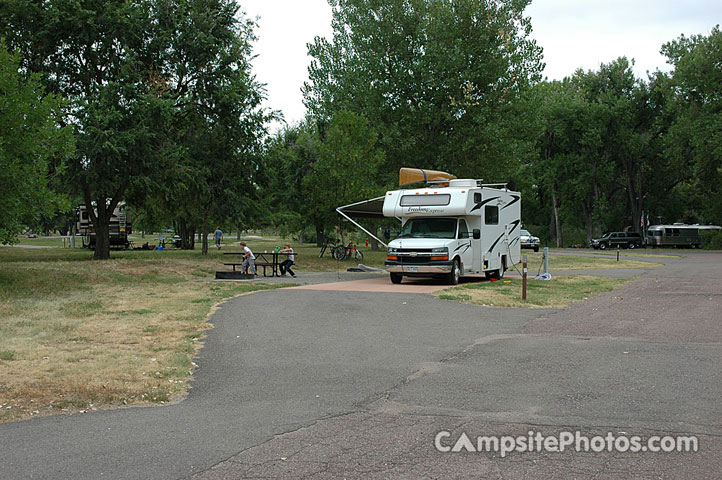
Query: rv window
(429,228)
(425,200)
(477,197)
(491,215)
(463,230)
(84,215)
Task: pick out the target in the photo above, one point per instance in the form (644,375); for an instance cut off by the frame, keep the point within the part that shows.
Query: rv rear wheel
(396,278)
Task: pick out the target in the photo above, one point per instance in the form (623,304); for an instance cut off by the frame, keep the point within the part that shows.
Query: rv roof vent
(462,183)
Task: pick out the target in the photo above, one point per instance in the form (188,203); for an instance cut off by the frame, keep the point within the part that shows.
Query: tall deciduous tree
(155,87)
(697,130)
(218,124)
(310,173)
(347,167)
(439,80)
(97,55)
(31,144)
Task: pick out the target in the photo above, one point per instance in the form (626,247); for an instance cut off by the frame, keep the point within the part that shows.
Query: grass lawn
(77,334)
(556,293)
(569,262)
(633,253)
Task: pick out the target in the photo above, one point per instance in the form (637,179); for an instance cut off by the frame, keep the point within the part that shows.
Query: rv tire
(455,274)
(496,274)
(396,278)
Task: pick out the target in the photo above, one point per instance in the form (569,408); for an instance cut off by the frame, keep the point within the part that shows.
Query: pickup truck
(617,239)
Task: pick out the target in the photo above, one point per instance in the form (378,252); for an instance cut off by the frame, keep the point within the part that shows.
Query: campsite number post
(523,279)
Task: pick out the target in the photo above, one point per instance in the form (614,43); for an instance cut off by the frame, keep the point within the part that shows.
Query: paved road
(319,384)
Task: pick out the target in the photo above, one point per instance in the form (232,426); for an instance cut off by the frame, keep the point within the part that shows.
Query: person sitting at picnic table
(286,264)
(249,260)
(219,237)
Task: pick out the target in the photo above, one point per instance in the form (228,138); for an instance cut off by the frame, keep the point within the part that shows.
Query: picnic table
(266,260)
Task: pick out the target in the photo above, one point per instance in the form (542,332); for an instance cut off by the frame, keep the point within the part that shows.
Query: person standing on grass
(286,264)
(219,237)
(249,260)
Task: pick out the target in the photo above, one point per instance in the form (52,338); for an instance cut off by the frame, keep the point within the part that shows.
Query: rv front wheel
(396,278)
(455,274)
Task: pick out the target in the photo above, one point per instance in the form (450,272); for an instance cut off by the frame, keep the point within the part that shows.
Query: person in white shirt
(249,260)
(286,264)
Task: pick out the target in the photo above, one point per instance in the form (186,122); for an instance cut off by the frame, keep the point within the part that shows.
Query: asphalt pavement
(297,383)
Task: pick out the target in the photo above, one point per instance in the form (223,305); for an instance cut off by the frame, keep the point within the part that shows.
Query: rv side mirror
(476,233)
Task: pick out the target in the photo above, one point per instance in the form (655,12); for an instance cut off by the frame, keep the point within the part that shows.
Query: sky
(573,33)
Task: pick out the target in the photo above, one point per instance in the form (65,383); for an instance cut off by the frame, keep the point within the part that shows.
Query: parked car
(528,240)
(617,239)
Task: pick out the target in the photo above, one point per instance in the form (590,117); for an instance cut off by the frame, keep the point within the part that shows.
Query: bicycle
(349,251)
(329,242)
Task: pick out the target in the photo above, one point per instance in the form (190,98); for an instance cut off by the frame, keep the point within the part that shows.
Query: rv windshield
(429,228)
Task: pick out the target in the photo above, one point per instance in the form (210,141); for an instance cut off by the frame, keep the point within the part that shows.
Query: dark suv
(617,239)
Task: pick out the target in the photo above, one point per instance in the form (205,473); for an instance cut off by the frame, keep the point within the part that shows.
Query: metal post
(617,252)
(523,280)
(545,257)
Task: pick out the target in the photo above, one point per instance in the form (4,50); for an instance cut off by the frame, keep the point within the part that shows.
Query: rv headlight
(391,250)
(440,250)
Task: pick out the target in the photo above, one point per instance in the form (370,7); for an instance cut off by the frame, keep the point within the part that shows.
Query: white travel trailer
(450,228)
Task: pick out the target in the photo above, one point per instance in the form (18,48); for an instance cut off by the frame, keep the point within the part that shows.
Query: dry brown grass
(77,334)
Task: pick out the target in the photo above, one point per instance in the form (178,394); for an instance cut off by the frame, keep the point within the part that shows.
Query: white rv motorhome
(452,228)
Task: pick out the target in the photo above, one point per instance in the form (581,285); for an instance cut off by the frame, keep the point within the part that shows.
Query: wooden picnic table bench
(262,261)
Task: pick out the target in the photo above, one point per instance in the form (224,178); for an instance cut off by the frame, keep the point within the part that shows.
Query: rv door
(476,248)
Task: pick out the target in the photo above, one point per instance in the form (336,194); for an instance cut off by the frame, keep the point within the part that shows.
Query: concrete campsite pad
(381,284)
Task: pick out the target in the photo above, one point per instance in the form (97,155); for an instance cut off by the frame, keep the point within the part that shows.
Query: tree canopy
(153,87)
(166,115)
(440,81)
(32,147)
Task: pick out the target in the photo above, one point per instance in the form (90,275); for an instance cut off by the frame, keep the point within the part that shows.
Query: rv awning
(373,208)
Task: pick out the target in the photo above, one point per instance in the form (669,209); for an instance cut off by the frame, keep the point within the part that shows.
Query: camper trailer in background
(677,235)
(120,227)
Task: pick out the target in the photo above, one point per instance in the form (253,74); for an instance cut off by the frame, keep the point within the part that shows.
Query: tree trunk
(555,216)
(320,238)
(635,203)
(343,234)
(374,242)
(186,234)
(101,227)
(300,238)
(588,221)
(204,231)
(192,236)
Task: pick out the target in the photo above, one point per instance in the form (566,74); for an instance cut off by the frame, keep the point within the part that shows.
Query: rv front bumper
(436,269)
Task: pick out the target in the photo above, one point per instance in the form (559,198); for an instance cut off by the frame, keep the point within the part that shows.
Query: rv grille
(414,260)
(417,250)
